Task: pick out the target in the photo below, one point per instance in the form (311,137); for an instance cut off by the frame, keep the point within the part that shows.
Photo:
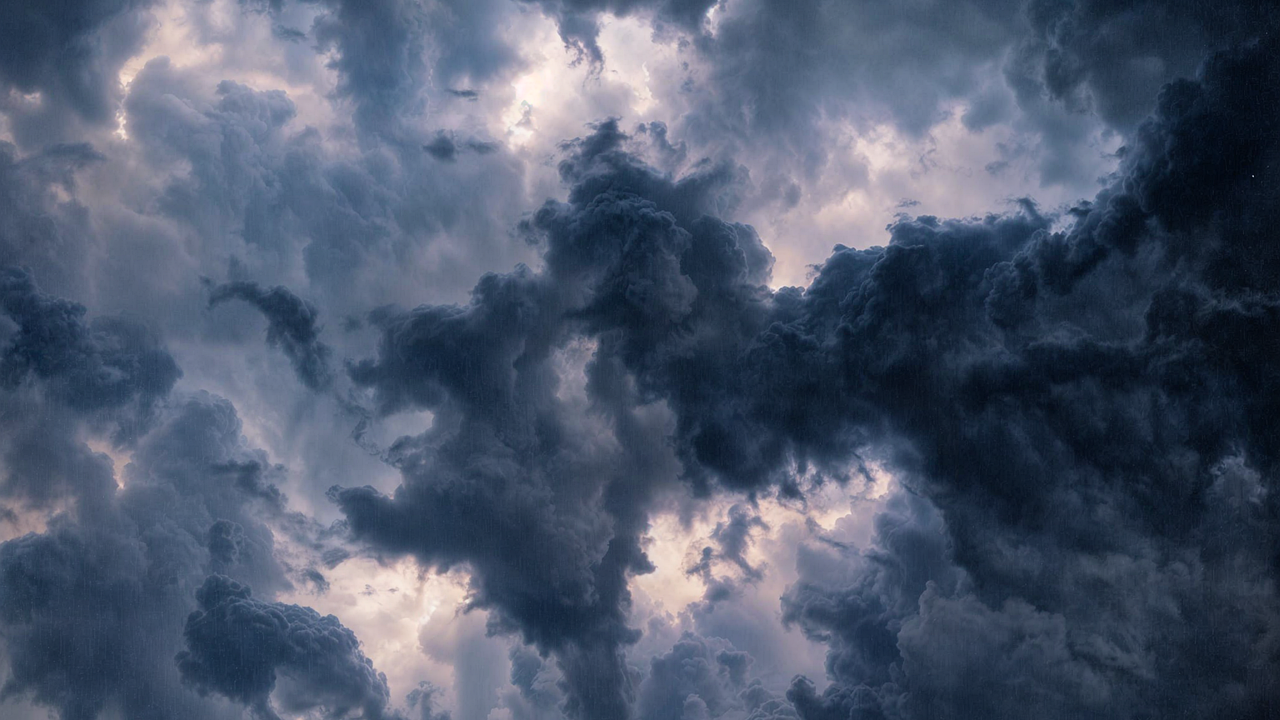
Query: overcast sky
(639,359)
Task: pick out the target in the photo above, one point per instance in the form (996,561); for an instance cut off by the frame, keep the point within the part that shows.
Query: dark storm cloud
(696,679)
(1080,409)
(41,223)
(292,326)
(1070,407)
(239,646)
(621,268)
(268,197)
(92,607)
(74,604)
(579,25)
(105,365)
(1095,393)
(855,605)
(71,55)
(505,446)
(1113,57)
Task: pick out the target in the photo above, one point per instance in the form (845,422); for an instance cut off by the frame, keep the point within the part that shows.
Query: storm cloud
(237,645)
(291,326)
(397,359)
(68,58)
(92,607)
(957,338)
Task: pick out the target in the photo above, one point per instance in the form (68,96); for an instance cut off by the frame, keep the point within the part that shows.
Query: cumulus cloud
(1096,441)
(237,646)
(69,58)
(104,364)
(978,351)
(694,680)
(62,375)
(291,325)
(1075,403)
(92,607)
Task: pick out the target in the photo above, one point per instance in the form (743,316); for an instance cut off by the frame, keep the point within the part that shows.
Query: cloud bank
(339,381)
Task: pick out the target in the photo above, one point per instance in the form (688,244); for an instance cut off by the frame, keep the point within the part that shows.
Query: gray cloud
(422,700)
(579,24)
(694,678)
(1113,58)
(291,326)
(71,56)
(1078,407)
(38,228)
(238,646)
(92,607)
(275,198)
(957,339)
(103,364)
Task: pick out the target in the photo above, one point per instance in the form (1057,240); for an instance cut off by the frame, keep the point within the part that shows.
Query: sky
(639,359)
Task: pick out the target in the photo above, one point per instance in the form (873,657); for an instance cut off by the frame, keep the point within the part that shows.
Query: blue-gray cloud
(70,56)
(1006,370)
(238,646)
(292,325)
(1078,406)
(92,608)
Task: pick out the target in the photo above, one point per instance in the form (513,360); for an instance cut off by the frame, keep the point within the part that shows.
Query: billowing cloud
(957,338)
(1113,58)
(1098,436)
(238,646)
(66,61)
(92,607)
(291,325)
(694,680)
(1011,463)
(101,365)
